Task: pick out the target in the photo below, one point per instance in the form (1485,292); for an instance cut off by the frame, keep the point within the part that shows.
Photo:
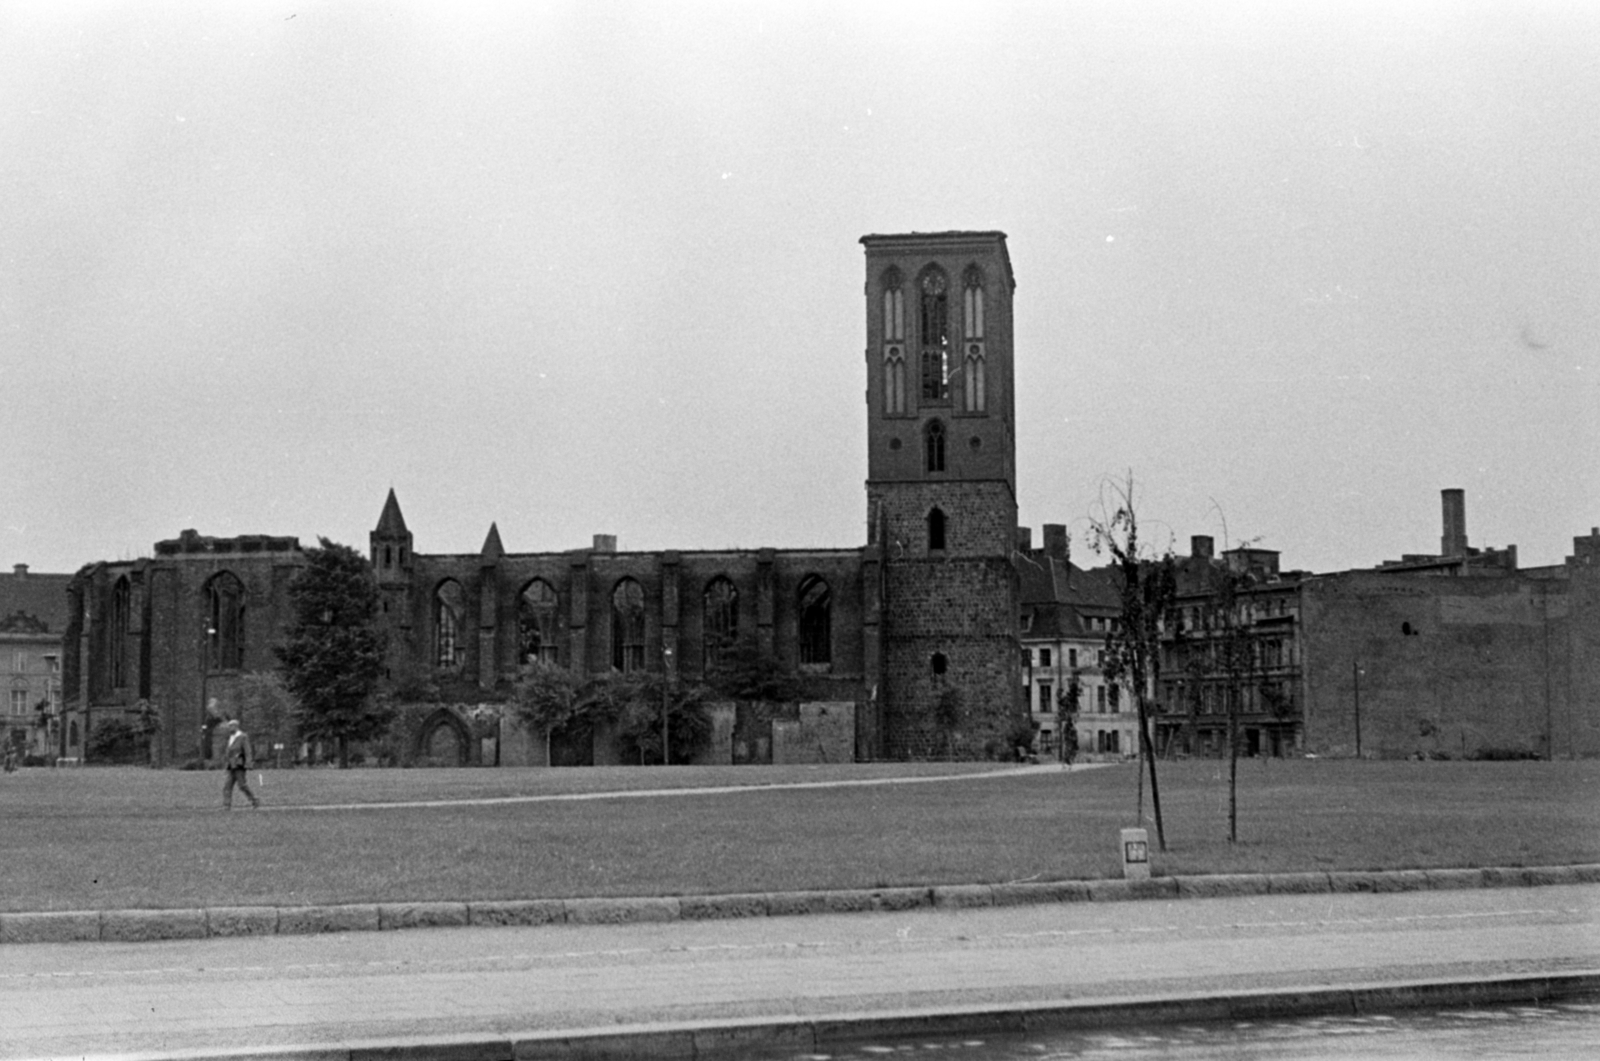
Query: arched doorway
(443,740)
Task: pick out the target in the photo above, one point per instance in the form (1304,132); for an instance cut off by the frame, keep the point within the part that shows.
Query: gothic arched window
(935,336)
(972,302)
(894,381)
(976,384)
(936,529)
(448,612)
(121,609)
(627,626)
(933,446)
(721,630)
(225,622)
(894,307)
(537,623)
(816,621)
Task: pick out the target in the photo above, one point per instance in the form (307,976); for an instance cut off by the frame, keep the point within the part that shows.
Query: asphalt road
(231,994)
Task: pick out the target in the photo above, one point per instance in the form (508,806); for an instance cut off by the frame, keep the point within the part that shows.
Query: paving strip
(134,926)
(657,793)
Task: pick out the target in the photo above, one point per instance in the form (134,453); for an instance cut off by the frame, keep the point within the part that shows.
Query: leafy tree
(741,672)
(266,710)
(332,659)
(639,718)
(545,696)
(1147,584)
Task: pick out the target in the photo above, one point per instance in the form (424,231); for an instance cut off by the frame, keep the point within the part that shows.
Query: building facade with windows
(917,627)
(33,618)
(1238,658)
(1067,612)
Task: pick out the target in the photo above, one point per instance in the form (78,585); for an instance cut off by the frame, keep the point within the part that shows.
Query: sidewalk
(694,988)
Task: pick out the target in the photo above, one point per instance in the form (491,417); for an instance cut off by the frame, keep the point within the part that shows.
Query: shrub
(116,740)
(1500,755)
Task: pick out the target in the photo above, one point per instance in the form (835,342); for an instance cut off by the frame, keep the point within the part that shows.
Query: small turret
(492,549)
(391,543)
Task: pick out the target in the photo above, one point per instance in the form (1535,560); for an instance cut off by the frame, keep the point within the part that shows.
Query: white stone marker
(1135,854)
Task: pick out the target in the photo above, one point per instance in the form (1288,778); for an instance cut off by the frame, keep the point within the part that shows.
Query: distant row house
(1067,613)
(33,615)
(1459,654)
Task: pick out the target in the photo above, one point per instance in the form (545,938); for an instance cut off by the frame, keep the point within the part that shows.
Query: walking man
(238,760)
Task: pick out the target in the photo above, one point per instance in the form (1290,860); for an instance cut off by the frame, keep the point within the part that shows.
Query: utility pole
(1355,672)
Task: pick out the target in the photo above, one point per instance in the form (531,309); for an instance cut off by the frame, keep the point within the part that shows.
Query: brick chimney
(1055,541)
(1201,547)
(1454,540)
(605,543)
(1024,539)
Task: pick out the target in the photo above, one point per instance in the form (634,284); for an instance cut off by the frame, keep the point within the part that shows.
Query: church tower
(941,490)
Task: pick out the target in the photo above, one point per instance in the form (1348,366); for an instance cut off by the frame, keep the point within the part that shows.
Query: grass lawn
(126,837)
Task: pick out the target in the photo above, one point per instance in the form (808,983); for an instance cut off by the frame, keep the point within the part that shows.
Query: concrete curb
(132,926)
(769,1037)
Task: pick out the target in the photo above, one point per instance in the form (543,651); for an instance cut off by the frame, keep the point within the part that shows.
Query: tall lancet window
(935,321)
(448,610)
(974,377)
(721,622)
(627,626)
(225,622)
(933,446)
(894,337)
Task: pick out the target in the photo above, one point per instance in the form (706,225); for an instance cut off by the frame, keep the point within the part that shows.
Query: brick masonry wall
(961,602)
(1490,663)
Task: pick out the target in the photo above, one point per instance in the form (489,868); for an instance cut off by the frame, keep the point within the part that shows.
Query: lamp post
(205,678)
(666,703)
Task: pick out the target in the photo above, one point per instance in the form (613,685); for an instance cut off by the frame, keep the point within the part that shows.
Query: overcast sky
(576,271)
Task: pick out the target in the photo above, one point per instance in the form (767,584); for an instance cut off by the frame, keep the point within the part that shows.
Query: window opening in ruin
(816,621)
(447,613)
(627,626)
(721,632)
(936,529)
(537,623)
(939,664)
(225,606)
(121,608)
(935,321)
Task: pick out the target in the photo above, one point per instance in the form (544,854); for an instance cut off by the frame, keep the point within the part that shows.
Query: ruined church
(908,641)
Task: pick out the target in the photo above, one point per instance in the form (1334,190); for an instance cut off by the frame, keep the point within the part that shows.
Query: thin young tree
(332,658)
(1232,639)
(1147,585)
(1068,704)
